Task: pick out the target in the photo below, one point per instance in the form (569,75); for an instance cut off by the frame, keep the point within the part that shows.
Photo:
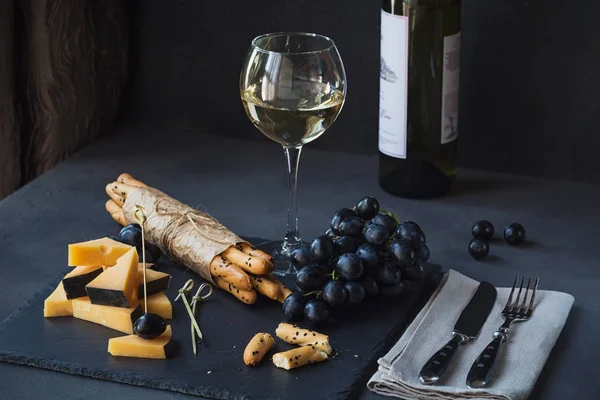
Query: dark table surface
(242,183)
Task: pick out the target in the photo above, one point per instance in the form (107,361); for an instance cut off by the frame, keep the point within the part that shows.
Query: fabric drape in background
(63,64)
(10,146)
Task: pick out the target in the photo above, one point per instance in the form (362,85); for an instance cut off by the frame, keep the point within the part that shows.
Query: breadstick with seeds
(221,268)
(284,290)
(298,357)
(130,180)
(117,198)
(256,349)
(266,287)
(115,212)
(246,248)
(120,188)
(254,265)
(293,334)
(247,296)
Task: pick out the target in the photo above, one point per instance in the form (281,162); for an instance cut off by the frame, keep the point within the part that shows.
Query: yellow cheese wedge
(57,304)
(117,285)
(159,304)
(117,318)
(103,251)
(156,282)
(133,346)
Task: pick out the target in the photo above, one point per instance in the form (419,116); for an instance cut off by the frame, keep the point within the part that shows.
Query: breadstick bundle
(196,240)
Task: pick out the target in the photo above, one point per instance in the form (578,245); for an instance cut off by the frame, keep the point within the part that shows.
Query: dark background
(530,75)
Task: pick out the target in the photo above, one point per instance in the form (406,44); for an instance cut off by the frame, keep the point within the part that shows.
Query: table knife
(466,329)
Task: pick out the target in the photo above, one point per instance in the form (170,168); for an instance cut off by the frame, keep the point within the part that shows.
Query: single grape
(393,290)
(131,234)
(345,244)
(424,253)
(338,217)
(514,234)
(388,274)
(316,311)
(352,226)
(310,278)
(370,256)
(322,248)
(293,306)
(409,232)
(149,326)
(413,224)
(402,252)
(377,234)
(385,220)
(483,230)
(355,293)
(334,293)
(349,267)
(370,285)
(301,257)
(367,207)
(479,249)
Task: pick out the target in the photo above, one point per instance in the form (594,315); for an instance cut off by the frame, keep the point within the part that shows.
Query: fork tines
(519,306)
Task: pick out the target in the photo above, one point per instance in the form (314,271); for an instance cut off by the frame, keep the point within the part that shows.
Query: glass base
(281,256)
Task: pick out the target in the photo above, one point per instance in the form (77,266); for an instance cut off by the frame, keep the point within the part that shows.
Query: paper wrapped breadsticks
(194,239)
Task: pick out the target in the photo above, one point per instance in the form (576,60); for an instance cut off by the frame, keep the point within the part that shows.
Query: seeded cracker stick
(283,290)
(130,180)
(121,189)
(246,248)
(293,334)
(116,197)
(221,268)
(256,349)
(298,357)
(254,265)
(247,296)
(115,212)
(266,287)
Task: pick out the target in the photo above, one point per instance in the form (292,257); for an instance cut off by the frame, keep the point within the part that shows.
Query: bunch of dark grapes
(366,252)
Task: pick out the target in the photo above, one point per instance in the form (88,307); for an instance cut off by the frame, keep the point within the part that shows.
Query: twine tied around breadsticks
(196,218)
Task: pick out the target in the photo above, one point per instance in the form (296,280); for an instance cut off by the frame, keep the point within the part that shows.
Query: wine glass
(293,86)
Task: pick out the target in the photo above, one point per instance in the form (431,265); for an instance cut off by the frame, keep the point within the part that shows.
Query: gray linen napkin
(518,365)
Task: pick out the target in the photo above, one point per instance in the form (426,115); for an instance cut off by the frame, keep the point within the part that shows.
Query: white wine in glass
(292,87)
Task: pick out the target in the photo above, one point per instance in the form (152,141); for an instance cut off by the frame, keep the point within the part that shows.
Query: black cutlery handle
(439,362)
(479,374)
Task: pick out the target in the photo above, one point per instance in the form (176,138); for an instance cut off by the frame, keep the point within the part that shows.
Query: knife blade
(467,327)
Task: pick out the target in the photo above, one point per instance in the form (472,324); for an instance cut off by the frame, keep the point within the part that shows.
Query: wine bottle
(418,105)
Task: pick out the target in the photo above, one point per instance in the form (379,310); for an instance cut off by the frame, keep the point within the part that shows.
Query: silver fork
(517,311)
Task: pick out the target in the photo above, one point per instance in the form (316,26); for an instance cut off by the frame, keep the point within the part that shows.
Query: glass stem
(292,236)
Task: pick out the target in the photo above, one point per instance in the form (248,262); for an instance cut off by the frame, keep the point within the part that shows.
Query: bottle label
(393,85)
(451,69)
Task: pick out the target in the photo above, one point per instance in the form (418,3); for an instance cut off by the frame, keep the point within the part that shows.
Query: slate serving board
(72,346)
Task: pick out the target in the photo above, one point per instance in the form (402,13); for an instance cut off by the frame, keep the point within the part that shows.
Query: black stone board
(76,347)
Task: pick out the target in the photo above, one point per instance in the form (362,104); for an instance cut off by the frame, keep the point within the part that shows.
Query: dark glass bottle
(418,114)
